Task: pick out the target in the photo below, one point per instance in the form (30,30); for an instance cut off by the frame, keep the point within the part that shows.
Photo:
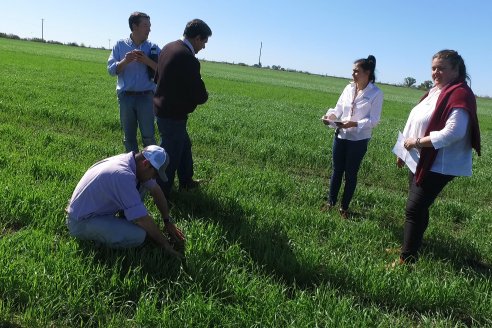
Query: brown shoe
(397,262)
(326,207)
(393,250)
(344,214)
(192,184)
(402,263)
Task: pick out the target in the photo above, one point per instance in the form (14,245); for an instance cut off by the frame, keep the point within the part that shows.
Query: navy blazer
(180,88)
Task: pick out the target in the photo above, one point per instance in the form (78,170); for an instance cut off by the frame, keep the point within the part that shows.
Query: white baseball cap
(159,159)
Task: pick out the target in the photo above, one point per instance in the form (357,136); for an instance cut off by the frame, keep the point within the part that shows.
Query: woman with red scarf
(444,129)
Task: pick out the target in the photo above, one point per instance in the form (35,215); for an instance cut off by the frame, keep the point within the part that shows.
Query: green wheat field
(259,251)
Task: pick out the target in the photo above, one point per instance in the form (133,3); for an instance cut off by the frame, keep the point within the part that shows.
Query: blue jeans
(136,111)
(347,157)
(176,141)
(109,230)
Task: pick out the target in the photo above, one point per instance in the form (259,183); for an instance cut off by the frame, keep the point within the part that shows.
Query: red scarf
(454,95)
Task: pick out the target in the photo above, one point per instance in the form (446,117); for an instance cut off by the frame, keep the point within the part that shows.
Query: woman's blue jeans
(347,157)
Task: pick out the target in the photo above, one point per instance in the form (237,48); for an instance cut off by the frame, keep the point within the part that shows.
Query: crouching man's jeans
(110,230)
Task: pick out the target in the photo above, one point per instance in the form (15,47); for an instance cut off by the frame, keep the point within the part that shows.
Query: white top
(364,108)
(453,142)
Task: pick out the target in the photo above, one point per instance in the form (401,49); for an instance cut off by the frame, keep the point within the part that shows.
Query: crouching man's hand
(177,237)
(153,231)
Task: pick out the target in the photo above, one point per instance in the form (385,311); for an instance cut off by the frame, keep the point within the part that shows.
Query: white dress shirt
(364,108)
(453,142)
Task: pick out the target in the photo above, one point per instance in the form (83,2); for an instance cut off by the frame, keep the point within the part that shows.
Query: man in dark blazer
(180,89)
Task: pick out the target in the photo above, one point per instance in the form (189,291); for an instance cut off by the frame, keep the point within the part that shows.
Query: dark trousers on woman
(420,198)
(347,157)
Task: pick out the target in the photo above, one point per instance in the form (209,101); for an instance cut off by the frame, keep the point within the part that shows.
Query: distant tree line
(72,44)
(409,82)
(273,67)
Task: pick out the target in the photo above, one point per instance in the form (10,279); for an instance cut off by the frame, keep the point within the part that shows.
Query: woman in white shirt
(444,128)
(356,113)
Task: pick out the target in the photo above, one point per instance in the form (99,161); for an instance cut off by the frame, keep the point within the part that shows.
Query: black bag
(153,55)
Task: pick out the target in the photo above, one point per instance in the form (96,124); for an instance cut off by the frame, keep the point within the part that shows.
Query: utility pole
(259,58)
(42,29)
(109,44)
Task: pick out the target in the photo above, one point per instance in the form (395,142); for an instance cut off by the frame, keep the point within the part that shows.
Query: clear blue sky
(319,36)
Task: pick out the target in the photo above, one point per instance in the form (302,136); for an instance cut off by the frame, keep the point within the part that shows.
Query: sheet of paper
(331,124)
(410,157)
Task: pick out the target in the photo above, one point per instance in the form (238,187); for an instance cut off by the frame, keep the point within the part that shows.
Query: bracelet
(417,143)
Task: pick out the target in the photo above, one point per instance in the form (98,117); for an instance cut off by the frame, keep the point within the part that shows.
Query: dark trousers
(420,198)
(347,157)
(176,141)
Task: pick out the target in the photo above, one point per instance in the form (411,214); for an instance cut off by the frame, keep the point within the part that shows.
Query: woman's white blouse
(366,111)
(453,142)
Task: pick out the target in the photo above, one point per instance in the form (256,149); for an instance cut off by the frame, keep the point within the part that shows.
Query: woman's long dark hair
(368,64)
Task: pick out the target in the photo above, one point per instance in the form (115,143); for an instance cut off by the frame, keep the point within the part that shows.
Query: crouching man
(107,206)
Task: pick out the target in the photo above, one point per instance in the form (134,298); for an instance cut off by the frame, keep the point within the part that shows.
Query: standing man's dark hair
(180,89)
(135,18)
(195,28)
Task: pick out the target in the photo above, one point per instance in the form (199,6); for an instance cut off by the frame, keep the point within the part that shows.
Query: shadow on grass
(10,224)
(442,246)
(269,246)
(6,324)
(459,253)
(145,260)
(9,228)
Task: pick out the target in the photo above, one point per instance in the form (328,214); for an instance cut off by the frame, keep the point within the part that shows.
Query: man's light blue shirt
(134,77)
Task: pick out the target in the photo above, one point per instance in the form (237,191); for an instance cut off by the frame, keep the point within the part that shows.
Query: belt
(138,93)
